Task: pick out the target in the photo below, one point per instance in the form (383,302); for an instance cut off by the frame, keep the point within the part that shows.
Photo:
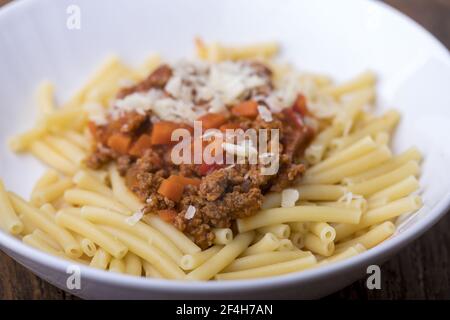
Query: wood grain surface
(421,271)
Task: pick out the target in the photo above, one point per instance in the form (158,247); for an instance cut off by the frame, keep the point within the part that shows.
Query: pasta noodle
(51,192)
(316,150)
(347,253)
(385,123)
(317,245)
(396,191)
(64,238)
(192,261)
(380,214)
(301,214)
(267,243)
(223,235)
(46,154)
(297,239)
(101,259)
(133,264)
(281,231)
(88,198)
(121,191)
(84,180)
(8,217)
(372,237)
(364,80)
(358,165)
(143,249)
(45,100)
(310,192)
(324,231)
(49,177)
(150,271)
(263,259)
(117,265)
(90,231)
(77,139)
(373,185)
(223,258)
(285,245)
(357,149)
(140,229)
(270,270)
(178,238)
(66,148)
(411,154)
(39,244)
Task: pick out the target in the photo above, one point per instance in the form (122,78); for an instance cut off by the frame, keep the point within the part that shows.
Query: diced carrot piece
(119,142)
(300,105)
(212,120)
(230,125)
(143,143)
(185,180)
(167,215)
(171,189)
(247,109)
(162,132)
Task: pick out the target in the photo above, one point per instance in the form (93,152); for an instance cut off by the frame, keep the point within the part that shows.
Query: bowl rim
(390,246)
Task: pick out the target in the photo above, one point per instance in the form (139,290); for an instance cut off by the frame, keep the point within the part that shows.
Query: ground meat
(123,164)
(145,175)
(157,79)
(214,185)
(217,214)
(99,157)
(222,197)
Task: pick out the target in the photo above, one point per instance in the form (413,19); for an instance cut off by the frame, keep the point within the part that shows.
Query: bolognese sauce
(196,198)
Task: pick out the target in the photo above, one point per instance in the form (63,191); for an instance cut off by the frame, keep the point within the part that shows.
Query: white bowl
(341,38)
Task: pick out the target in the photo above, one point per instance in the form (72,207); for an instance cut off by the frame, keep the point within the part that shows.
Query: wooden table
(421,271)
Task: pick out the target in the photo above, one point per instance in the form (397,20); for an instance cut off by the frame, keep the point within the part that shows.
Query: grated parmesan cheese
(95,112)
(289,197)
(199,87)
(190,212)
(348,197)
(195,88)
(135,218)
(265,113)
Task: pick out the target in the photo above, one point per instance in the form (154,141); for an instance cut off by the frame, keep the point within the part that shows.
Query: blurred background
(421,271)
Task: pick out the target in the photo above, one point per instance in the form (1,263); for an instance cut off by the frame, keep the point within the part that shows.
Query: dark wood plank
(432,14)
(421,271)
(16,282)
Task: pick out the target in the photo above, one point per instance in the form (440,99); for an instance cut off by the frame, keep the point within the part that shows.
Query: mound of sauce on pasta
(195,198)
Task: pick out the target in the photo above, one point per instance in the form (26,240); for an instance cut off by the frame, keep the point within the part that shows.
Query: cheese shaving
(289,197)
(348,197)
(190,212)
(265,113)
(135,218)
